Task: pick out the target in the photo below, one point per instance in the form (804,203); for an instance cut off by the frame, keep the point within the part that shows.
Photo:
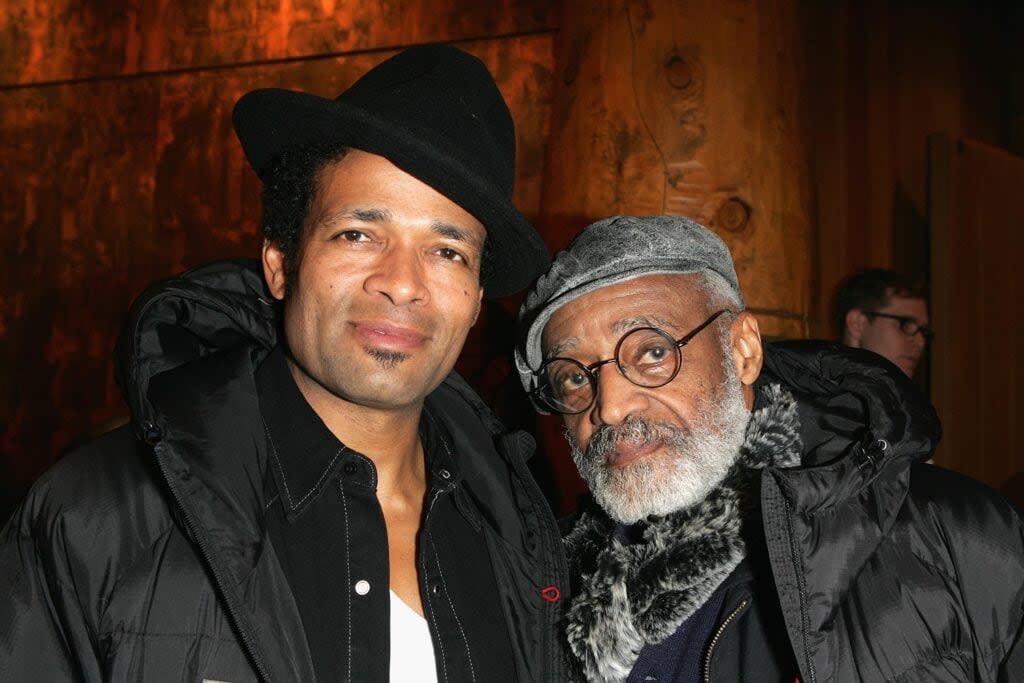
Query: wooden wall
(120,165)
(977,294)
(882,76)
(662,107)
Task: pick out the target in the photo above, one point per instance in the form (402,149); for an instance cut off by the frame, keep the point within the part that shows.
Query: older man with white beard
(759,511)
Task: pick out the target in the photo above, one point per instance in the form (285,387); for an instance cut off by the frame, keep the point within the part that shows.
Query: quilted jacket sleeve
(1012,667)
(985,534)
(992,566)
(43,632)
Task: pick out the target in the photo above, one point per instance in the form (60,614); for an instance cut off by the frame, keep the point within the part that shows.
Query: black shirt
(328,532)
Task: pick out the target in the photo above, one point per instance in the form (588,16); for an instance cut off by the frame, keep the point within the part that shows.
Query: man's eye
(571,380)
(577,380)
(450,254)
(654,354)
(352,235)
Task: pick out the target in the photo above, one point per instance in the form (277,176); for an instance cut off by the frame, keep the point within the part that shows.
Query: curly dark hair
(289,187)
(870,289)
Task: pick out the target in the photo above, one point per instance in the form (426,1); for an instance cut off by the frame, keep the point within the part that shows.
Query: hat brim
(270,121)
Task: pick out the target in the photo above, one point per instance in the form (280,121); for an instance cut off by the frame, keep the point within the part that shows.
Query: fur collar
(639,593)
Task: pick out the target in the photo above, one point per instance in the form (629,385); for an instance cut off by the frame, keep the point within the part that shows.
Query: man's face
(884,336)
(651,451)
(387,287)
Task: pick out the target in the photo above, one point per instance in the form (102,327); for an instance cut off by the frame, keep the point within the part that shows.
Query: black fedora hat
(436,113)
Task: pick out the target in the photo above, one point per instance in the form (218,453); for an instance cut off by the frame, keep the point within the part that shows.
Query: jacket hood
(213,308)
(859,415)
(847,395)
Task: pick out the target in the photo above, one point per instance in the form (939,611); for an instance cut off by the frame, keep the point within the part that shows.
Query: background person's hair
(870,289)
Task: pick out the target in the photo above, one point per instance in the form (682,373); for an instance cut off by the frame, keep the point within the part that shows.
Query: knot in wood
(733,215)
(679,72)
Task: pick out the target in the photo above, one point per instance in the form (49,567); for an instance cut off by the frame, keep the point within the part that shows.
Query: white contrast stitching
(458,622)
(323,476)
(287,491)
(430,610)
(348,578)
(277,463)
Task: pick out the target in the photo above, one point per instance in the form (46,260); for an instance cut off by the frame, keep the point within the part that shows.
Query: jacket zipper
(802,589)
(233,607)
(706,667)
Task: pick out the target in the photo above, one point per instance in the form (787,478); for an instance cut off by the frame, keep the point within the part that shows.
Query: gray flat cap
(611,251)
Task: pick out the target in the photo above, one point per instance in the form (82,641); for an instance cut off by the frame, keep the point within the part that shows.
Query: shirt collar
(303,452)
(305,455)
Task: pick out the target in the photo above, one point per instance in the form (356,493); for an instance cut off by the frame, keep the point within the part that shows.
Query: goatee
(387,359)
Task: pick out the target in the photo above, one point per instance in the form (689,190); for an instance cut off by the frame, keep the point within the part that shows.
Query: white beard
(691,462)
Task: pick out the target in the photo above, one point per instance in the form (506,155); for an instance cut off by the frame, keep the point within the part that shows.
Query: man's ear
(855,322)
(479,304)
(273,269)
(747,351)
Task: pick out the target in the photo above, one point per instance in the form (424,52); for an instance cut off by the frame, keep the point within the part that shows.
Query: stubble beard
(693,460)
(387,360)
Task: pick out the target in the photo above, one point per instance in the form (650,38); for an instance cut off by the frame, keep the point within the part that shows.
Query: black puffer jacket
(886,568)
(146,558)
(864,565)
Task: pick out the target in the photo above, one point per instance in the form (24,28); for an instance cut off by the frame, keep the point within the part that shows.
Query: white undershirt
(412,650)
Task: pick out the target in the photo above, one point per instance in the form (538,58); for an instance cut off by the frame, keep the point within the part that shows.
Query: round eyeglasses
(646,356)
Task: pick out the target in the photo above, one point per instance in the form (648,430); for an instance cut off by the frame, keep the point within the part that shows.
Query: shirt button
(445,474)
(362,587)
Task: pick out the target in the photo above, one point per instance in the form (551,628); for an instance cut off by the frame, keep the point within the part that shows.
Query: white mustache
(633,429)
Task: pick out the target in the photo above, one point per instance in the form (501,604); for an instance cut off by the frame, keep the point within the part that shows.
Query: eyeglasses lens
(648,357)
(566,386)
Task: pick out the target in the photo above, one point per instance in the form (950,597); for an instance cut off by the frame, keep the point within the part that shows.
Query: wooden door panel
(978,353)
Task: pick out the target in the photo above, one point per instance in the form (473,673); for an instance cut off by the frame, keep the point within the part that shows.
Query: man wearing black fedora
(306,491)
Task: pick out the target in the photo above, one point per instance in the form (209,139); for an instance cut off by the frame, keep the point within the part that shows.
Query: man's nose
(399,275)
(617,398)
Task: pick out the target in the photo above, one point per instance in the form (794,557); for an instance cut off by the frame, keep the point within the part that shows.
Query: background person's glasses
(908,325)
(646,356)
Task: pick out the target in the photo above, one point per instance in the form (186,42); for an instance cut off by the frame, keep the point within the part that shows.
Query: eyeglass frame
(924,328)
(591,370)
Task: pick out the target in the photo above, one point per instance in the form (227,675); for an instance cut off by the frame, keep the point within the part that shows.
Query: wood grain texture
(78,242)
(978,291)
(689,109)
(664,107)
(129,170)
(882,76)
(113,184)
(71,39)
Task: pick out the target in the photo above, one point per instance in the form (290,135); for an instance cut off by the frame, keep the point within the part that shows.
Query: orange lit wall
(119,165)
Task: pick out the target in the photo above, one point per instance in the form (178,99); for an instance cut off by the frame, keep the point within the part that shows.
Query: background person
(885,312)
